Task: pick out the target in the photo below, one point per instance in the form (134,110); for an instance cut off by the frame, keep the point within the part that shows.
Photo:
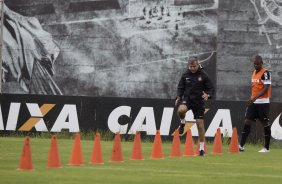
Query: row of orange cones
(116,156)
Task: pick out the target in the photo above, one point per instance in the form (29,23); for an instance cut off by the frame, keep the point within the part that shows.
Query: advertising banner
(43,113)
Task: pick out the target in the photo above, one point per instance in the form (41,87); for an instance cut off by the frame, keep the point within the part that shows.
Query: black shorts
(258,111)
(197,109)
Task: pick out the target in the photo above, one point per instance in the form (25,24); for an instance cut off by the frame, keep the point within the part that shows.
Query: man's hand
(251,100)
(177,100)
(262,92)
(205,96)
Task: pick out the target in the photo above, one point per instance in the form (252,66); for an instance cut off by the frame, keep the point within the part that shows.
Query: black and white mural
(247,28)
(269,18)
(118,48)
(29,54)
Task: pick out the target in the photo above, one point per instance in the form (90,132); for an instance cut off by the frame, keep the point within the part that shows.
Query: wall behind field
(136,48)
(245,29)
(116,48)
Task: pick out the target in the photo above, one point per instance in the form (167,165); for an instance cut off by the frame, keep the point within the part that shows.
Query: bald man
(258,104)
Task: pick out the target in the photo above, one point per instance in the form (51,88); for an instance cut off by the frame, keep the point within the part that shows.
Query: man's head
(258,62)
(193,64)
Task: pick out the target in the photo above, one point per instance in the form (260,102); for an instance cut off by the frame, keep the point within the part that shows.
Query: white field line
(186,173)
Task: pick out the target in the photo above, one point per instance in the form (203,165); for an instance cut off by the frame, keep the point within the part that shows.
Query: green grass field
(247,167)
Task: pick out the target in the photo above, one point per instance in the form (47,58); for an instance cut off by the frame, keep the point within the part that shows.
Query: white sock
(182,121)
(202,146)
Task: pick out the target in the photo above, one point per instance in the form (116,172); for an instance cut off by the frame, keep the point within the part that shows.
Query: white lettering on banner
(41,126)
(13,116)
(68,112)
(189,116)
(35,111)
(222,116)
(276,129)
(1,119)
(145,114)
(166,121)
(194,130)
(113,124)
(144,121)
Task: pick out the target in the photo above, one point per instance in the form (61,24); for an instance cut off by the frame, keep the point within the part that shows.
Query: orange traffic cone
(116,150)
(76,156)
(96,156)
(136,153)
(234,146)
(175,147)
(157,151)
(198,147)
(26,158)
(217,144)
(54,158)
(189,145)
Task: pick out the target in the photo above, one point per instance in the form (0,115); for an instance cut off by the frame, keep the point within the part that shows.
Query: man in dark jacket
(194,88)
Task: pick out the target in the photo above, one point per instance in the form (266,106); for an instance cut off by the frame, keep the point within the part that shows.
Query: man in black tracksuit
(194,88)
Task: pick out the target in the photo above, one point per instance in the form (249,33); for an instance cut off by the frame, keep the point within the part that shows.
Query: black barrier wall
(42,113)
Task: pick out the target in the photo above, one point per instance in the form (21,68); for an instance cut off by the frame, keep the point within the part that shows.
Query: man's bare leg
(201,130)
(182,109)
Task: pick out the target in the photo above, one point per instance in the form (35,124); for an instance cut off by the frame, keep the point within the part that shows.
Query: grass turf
(247,167)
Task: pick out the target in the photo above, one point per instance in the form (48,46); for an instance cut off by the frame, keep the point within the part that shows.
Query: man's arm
(180,89)
(208,87)
(181,86)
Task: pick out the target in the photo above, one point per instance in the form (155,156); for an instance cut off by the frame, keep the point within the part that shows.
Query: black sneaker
(201,153)
(181,128)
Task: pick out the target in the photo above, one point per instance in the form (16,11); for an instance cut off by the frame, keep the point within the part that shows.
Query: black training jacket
(192,85)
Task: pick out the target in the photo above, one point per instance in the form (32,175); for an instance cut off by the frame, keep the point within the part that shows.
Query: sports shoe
(181,128)
(264,150)
(241,148)
(201,153)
